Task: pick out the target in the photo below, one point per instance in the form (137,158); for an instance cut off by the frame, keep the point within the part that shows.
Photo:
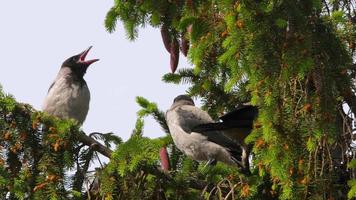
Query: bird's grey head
(183,100)
(78,64)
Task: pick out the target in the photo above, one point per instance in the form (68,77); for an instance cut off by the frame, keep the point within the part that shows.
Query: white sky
(38,35)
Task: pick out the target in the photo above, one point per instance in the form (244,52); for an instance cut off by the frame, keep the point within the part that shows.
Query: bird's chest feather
(68,99)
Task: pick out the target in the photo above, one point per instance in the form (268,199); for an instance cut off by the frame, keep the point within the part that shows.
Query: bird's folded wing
(241,118)
(217,126)
(236,132)
(245,112)
(193,116)
(236,124)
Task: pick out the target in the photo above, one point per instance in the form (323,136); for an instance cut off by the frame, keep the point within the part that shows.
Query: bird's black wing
(244,112)
(241,118)
(217,137)
(236,124)
(220,126)
(192,117)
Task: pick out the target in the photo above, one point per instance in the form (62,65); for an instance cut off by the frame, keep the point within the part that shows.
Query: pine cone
(163,154)
(174,55)
(166,38)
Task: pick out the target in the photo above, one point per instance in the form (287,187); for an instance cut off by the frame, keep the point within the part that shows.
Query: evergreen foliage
(37,151)
(295,60)
(292,59)
(134,171)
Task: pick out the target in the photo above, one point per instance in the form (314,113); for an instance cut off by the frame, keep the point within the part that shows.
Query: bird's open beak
(84,54)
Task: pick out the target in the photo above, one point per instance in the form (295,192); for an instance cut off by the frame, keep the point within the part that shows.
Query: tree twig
(327,7)
(95,145)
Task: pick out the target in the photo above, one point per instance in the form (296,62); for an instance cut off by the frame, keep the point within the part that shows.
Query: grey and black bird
(236,125)
(68,97)
(205,144)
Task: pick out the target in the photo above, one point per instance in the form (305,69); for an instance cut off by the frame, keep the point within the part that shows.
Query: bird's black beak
(83,55)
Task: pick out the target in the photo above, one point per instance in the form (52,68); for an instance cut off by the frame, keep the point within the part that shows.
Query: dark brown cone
(166,38)
(174,55)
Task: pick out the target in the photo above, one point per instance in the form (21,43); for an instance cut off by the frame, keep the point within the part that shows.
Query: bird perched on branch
(202,143)
(236,125)
(69,96)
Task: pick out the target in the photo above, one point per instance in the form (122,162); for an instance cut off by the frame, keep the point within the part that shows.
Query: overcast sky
(38,35)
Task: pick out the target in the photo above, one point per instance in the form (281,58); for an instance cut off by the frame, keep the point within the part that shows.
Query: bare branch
(94,145)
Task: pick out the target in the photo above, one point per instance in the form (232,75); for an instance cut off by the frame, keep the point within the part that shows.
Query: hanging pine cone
(174,55)
(166,38)
(164,158)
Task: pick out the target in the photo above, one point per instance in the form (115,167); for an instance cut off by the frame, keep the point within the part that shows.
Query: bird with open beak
(68,97)
(211,145)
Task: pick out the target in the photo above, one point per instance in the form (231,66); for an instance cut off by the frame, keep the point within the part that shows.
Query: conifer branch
(192,183)
(94,145)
